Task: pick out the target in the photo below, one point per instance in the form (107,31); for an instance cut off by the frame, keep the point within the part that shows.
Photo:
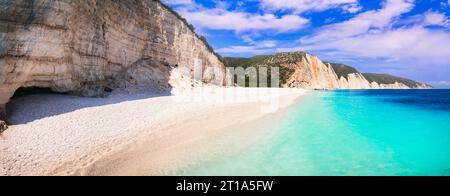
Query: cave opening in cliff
(27,91)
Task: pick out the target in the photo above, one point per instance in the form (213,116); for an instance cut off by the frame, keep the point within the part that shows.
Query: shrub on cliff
(3,126)
(257,62)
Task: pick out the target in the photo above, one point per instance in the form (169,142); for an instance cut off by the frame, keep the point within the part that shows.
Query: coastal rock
(91,47)
(354,81)
(424,86)
(3,126)
(396,85)
(309,72)
(386,81)
(303,70)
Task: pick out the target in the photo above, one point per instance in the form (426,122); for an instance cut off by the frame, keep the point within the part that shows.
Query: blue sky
(409,38)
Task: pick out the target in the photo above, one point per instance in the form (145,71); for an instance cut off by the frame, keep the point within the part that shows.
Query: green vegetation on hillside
(389,79)
(246,62)
(278,59)
(343,70)
(267,61)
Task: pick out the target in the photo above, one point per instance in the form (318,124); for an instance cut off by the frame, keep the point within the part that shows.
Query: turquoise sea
(376,132)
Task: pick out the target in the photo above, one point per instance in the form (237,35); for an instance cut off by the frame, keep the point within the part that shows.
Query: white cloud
(222,4)
(238,21)
(245,24)
(445,4)
(258,48)
(267,44)
(240,3)
(243,50)
(362,23)
(375,37)
(382,40)
(351,8)
(435,18)
(412,44)
(429,18)
(178,2)
(300,6)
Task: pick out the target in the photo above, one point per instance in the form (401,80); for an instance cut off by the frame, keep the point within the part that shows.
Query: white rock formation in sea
(91,47)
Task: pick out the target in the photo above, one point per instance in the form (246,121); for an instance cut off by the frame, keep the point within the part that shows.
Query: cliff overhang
(90,48)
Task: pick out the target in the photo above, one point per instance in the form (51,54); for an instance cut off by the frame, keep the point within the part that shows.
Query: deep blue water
(375,132)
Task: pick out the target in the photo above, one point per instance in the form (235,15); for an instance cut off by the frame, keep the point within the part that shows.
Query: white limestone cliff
(90,47)
(310,72)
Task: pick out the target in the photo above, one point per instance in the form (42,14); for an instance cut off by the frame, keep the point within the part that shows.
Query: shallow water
(377,132)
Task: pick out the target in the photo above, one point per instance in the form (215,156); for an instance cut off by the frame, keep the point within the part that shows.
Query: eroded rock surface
(91,47)
(303,70)
(311,73)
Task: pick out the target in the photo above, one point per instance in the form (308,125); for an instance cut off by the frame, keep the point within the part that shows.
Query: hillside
(302,70)
(389,79)
(343,70)
(260,61)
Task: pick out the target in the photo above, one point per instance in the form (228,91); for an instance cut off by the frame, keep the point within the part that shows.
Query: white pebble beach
(127,133)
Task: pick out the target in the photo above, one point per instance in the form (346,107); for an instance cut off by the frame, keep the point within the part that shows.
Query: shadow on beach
(30,104)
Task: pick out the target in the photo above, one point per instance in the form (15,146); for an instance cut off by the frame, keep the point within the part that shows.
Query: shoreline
(171,132)
(178,146)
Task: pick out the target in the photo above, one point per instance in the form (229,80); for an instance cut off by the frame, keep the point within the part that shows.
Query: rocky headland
(303,70)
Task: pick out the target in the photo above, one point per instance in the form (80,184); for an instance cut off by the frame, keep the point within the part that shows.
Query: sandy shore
(134,133)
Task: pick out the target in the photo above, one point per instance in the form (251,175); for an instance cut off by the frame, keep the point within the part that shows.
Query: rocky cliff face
(91,47)
(312,73)
(309,72)
(322,75)
(354,81)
